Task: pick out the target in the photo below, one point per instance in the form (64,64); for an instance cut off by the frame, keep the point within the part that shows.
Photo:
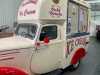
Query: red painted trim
(9,53)
(20,49)
(7,58)
(11,71)
(79,54)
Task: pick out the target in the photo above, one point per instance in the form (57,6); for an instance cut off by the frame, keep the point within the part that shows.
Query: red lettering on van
(27,12)
(55,11)
(72,43)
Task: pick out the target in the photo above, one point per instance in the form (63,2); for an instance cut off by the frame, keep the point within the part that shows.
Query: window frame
(49,25)
(28,24)
(69,33)
(82,8)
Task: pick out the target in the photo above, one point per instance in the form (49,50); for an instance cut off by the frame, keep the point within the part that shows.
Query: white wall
(8,11)
(17,4)
(95,21)
(95,15)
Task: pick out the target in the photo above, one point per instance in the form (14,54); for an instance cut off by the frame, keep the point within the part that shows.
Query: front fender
(11,71)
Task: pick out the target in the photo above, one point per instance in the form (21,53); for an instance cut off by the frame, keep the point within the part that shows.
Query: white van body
(33,54)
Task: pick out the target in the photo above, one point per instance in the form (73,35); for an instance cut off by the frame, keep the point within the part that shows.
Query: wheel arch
(11,71)
(79,54)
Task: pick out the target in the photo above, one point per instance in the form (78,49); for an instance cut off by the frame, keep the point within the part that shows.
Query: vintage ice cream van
(50,35)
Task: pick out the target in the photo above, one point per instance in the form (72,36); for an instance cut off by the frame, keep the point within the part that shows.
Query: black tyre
(98,35)
(74,67)
(55,72)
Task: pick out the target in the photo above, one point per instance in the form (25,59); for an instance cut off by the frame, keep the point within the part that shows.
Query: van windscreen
(26,30)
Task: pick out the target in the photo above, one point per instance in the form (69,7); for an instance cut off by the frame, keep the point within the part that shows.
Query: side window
(49,31)
(77,20)
(72,25)
(83,19)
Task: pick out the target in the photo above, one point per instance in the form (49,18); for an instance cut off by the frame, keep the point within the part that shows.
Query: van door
(48,54)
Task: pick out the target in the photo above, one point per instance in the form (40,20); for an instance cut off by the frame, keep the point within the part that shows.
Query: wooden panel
(6,34)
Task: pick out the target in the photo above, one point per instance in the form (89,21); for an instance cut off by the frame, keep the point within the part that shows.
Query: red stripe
(8,58)
(9,53)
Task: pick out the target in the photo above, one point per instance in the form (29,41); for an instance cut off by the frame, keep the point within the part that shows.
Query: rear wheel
(73,67)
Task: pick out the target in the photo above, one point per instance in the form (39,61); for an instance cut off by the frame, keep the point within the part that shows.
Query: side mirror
(46,40)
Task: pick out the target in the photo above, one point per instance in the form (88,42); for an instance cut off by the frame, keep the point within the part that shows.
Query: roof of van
(44,9)
(82,2)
